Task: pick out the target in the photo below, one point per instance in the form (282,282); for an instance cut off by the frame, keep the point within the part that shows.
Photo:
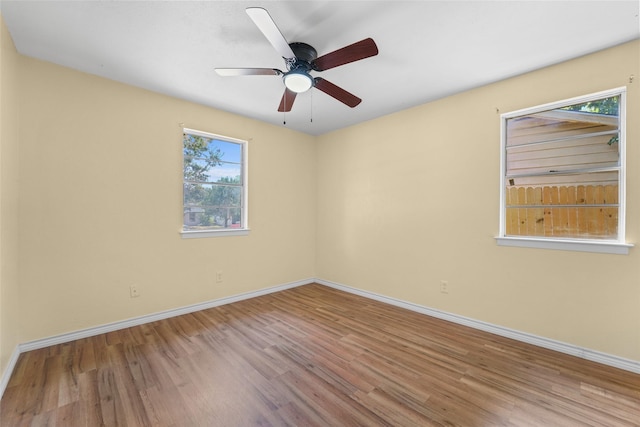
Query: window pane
(564,123)
(213,195)
(195,218)
(563,180)
(563,222)
(202,147)
(228,173)
(212,218)
(562,171)
(200,170)
(206,160)
(196,169)
(229,151)
(606,106)
(226,217)
(225,196)
(587,210)
(195,194)
(213,187)
(577,153)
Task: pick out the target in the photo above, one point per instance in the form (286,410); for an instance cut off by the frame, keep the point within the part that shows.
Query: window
(562,180)
(214,185)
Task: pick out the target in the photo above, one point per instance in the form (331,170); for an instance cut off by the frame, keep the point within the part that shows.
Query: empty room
(319,213)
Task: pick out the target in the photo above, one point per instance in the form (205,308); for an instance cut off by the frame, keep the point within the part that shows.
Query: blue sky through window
(232,151)
(230,156)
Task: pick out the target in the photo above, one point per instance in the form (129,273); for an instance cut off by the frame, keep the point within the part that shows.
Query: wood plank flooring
(312,356)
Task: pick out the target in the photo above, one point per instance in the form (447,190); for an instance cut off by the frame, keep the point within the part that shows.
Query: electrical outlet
(133,291)
(444,286)
(219,277)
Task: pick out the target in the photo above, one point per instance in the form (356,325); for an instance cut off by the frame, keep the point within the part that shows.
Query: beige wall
(411,199)
(9,313)
(101,204)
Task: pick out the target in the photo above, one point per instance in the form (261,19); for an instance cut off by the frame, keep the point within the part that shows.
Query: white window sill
(604,247)
(214,233)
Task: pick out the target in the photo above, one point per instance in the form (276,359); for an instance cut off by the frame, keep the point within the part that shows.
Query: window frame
(610,246)
(244,207)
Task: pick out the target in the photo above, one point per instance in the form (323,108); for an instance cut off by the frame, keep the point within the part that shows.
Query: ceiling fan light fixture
(298,81)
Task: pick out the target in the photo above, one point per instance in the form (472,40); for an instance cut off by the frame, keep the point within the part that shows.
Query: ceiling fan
(301,59)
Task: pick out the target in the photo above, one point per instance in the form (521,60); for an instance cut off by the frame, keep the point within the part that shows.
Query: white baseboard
(6,375)
(562,347)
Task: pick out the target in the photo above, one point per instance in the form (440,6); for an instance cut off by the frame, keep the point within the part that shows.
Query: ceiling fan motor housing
(304,52)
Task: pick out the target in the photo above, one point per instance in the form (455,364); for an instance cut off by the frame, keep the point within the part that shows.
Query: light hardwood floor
(312,356)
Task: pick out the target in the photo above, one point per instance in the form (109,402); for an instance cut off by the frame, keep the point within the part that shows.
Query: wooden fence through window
(562,211)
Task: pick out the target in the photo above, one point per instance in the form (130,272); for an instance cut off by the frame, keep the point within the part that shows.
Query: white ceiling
(428,49)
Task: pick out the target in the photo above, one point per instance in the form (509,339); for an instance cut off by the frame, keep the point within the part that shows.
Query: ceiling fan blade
(354,52)
(226,72)
(337,92)
(265,23)
(287,100)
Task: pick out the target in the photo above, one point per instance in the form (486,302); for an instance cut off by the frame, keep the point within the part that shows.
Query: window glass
(214,187)
(563,171)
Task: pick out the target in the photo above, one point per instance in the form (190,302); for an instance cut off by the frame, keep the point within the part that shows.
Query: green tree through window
(608,106)
(213,182)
